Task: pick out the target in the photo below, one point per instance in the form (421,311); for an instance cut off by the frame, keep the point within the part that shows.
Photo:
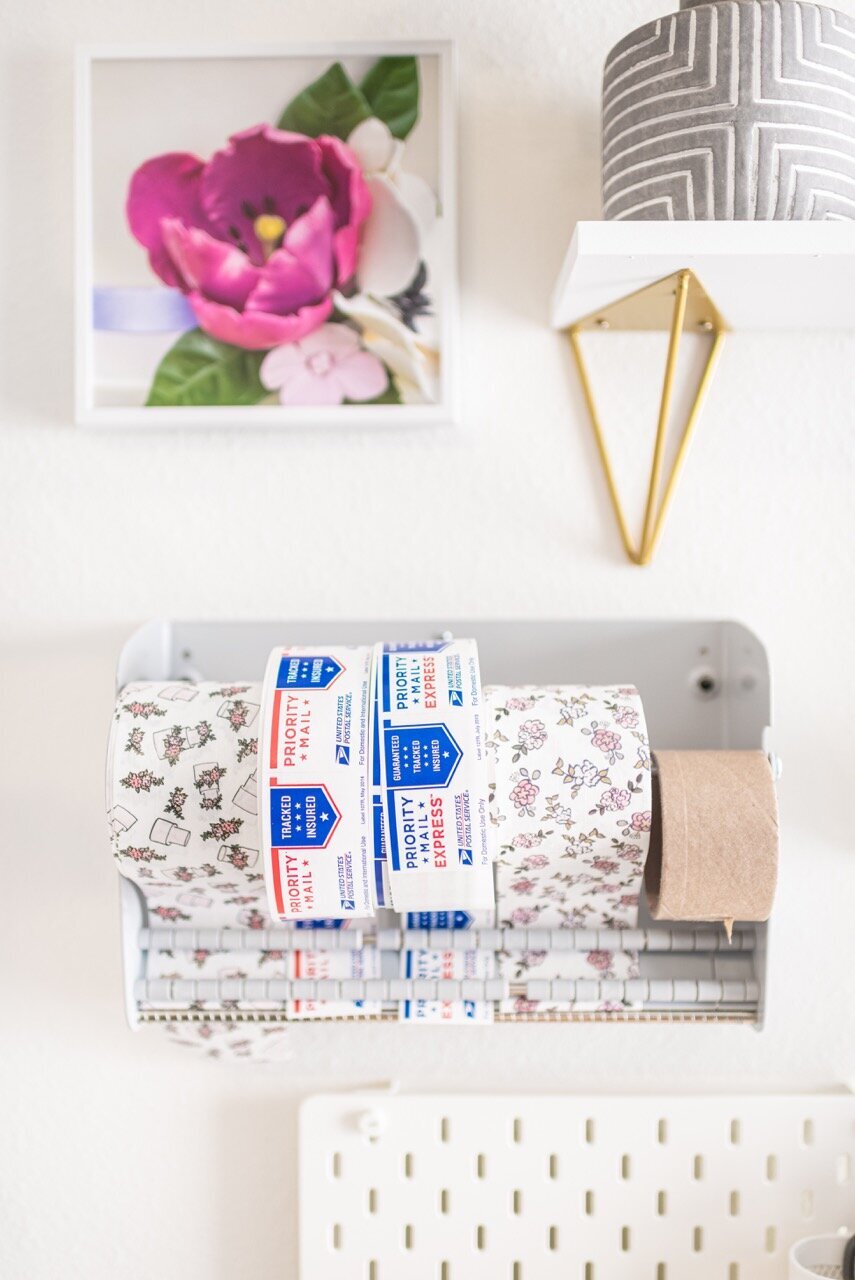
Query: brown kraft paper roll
(714,846)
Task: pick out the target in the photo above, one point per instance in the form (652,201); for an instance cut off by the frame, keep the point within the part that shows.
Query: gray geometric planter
(732,109)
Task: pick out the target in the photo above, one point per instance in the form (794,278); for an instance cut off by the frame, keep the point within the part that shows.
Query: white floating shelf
(760,275)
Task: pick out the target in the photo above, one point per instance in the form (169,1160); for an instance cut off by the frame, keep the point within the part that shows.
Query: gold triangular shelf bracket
(676,304)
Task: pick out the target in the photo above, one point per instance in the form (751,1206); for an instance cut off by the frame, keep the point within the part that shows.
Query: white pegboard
(461,1187)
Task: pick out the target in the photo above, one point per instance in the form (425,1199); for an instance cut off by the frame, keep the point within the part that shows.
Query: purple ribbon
(141,310)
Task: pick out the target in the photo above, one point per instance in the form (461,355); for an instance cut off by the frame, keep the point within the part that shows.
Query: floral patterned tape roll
(181,801)
(571,805)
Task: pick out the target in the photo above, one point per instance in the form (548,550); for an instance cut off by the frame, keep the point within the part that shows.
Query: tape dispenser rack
(705,687)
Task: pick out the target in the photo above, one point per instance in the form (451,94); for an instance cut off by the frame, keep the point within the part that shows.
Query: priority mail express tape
(447,964)
(313,782)
(433,776)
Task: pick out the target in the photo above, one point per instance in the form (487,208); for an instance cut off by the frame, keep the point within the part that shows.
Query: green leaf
(391,89)
(331,104)
(200,370)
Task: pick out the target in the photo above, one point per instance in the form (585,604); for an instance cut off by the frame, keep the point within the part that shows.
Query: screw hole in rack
(408,1164)
(771,1168)
(444,1201)
(445,1129)
(589,1203)
(625,1239)
(372,1269)
(481,1236)
(661,1271)
(444,1271)
(517,1129)
(372,1199)
(553,1238)
(698,1240)
(336,1164)
(589,1271)
(517,1201)
(625,1167)
(698,1168)
(662,1132)
(734,1204)
(771,1239)
(408,1236)
(662,1203)
(481,1165)
(733,1271)
(517,1272)
(553,1166)
(735,1133)
(807,1132)
(336,1235)
(590,1131)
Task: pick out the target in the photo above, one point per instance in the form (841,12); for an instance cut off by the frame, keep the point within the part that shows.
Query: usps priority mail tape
(447,964)
(430,735)
(313,782)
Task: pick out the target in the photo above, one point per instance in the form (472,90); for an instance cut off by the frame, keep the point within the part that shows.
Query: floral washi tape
(571,804)
(182,801)
(433,773)
(597,965)
(456,965)
(313,767)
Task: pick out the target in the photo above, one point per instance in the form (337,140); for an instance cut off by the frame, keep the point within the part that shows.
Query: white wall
(118,1155)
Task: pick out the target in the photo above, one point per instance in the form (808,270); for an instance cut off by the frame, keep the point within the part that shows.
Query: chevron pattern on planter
(737,109)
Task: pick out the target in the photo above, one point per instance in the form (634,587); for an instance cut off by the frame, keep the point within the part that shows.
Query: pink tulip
(258,236)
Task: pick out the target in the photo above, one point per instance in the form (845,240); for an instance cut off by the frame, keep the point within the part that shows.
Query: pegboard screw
(371,1124)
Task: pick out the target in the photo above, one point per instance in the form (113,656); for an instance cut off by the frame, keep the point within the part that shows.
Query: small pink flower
(520,704)
(325,368)
(628,900)
(521,1005)
(605,865)
(524,794)
(523,886)
(535,861)
(626,717)
(523,915)
(605,740)
(525,841)
(642,821)
(601,960)
(615,798)
(532,734)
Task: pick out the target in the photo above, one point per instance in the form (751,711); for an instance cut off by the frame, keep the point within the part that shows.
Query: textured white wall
(118,1155)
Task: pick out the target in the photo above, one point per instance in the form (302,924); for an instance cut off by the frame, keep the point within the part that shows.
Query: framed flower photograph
(266,236)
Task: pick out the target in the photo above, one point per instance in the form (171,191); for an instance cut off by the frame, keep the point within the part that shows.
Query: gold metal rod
(588,393)
(648,551)
(677,320)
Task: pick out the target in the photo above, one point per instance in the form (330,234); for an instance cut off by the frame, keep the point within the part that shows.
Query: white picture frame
(107,385)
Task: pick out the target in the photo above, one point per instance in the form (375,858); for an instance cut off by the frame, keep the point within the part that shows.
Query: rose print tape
(429,740)
(314,777)
(571,804)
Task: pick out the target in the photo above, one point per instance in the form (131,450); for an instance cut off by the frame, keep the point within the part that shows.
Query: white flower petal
(373,145)
(419,198)
(391,245)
